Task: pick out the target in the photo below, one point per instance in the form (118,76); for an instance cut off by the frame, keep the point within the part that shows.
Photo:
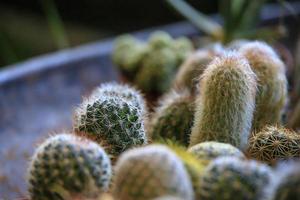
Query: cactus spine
(272,84)
(231,178)
(67,167)
(273,143)
(149,172)
(225,106)
(173,118)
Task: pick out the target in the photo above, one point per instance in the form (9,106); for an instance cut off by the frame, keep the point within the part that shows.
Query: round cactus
(112,121)
(230,178)
(225,106)
(68,167)
(288,182)
(128,53)
(192,68)
(182,47)
(272,84)
(160,39)
(173,118)
(272,144)
(211,150)
(149,172)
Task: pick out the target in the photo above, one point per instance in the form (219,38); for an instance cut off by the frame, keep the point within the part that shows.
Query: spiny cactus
(272,84)
(192,68)
(160,39)
(288,182)
(128,53)
(273,143)
(225,106)
(173,118)
(111,121)
(68,167)
(182,47)
(228,178)
(211,150)
(149,172)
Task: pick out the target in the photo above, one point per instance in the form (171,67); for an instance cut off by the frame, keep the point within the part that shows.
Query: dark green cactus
(68,167)
(149,172)
(225,107)
(273,144)
(173,118)
(272,84)
(231,178)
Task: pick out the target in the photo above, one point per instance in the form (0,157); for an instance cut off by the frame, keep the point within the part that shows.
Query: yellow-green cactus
(225,105)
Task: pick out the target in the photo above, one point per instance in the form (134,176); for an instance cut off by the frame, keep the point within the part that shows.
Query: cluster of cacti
(173,118)
(114,120)
(225,105)
(150,172)
(68,167)
(232,178)
(151,65)
(273,143)
(271,95)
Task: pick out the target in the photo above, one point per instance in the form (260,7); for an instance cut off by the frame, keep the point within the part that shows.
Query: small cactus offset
(273,144)
(173,118)
(225,105)
(112,121)
(211,150)
(68,167)
(288,182)
(271,95)
(149,172)
(191,69)
(231,178)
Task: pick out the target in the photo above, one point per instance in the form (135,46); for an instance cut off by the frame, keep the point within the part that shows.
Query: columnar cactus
(173,118)
(149,172)
(192,68)
(68,167)
(225,106)
(288,183)
(273,143)
(231,178)
(211,150)
(272,84)
(112,121)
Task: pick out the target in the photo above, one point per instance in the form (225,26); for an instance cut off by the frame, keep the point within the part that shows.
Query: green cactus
(272,84)
(160,39)
(112,121)
(128,54)
(224,109)
(273,144)
(68,167)
(288,182)
(192,68)
(211,150)
(149,172)
(182,47)
(230,178)
(173,118)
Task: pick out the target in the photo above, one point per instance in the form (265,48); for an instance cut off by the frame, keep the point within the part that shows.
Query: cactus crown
(274,143)
(226,103)
(232,178)
(173,118)
(149,172)
(65,167)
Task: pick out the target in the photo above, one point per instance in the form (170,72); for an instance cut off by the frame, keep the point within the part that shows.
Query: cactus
(224,109)
(288,182)
(173,118)
(168,198)
(182,47)
(211,150)
(160,39)
(273,143)
(230,178)
(149,172)
(128,54)
(294,121)
(272,84)
(192,68)
(68,167)
(112,121)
